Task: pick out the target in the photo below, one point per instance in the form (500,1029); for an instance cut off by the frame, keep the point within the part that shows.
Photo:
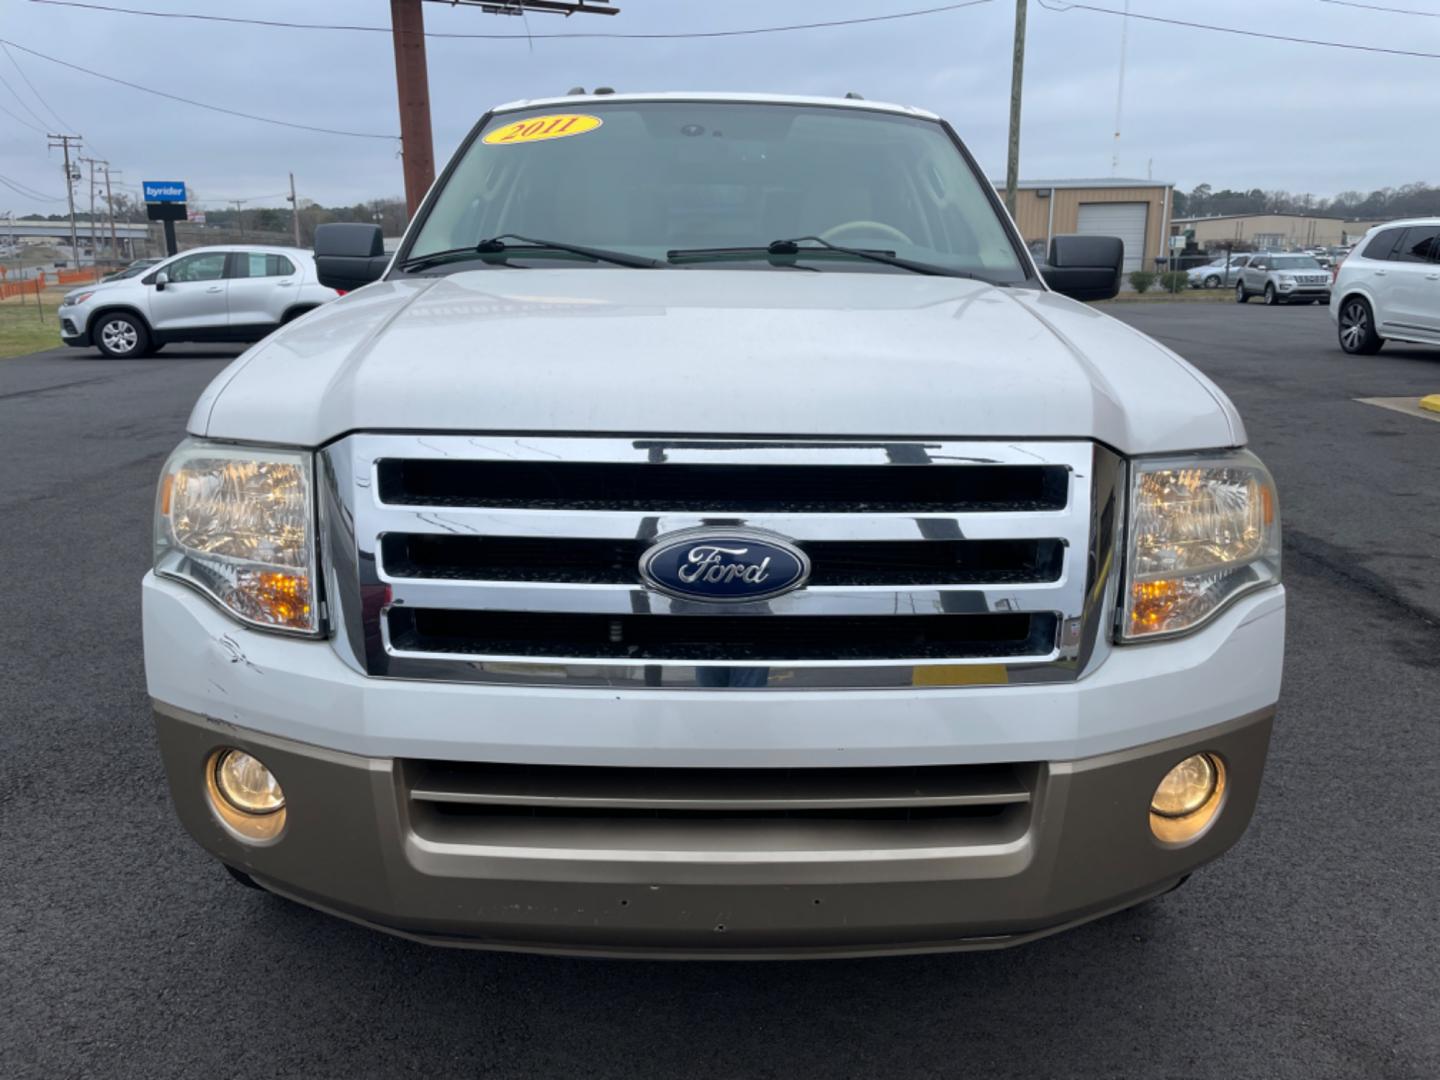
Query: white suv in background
(1388,288)
(208,294)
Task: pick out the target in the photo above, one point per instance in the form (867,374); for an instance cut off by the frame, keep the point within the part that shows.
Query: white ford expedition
(712,535)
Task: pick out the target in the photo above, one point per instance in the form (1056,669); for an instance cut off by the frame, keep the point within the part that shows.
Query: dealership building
(1273,232)
(1137,211)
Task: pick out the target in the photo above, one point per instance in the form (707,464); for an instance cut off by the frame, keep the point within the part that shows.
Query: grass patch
(23,329)
(1185,296)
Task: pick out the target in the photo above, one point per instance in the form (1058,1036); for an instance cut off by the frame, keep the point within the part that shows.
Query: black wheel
(1241,296)
(1357,328)
(240,876)
(1271,297)
(121,336)
(1212,282)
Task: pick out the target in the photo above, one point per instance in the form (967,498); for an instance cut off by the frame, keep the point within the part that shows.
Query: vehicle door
(263,285)
(193,297)
(1236,268)
(1372,270)
(1254,274)
(1414,300)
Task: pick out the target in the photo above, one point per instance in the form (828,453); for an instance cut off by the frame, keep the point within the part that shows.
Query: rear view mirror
(349,255)
(1085,267)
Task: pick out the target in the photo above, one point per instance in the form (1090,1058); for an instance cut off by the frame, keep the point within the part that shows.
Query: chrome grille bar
(362,593)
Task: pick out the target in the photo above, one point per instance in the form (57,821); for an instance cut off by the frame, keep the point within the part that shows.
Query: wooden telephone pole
(1017,79)
(64,142)
(412,82)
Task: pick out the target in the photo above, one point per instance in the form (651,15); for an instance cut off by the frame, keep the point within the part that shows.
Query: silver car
(1216,275)
(208,294)
(1284,279)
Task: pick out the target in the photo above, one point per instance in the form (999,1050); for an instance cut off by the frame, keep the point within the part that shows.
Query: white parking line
(1410,406)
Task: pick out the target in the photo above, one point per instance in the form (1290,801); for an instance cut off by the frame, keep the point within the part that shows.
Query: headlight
(1202,531)
(237,524)
(77,298)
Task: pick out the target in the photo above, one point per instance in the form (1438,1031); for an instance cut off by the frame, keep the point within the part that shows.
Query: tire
(1212,282)
(121,336)
(1241,296)
(1356,328)
(241,877)
(294,313)
(1272,298)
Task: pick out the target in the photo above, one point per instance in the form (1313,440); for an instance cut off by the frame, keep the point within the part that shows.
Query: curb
(1431,402)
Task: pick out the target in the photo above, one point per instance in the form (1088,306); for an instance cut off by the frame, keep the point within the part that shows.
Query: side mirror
(161,280)
(1085,267)
(349,255)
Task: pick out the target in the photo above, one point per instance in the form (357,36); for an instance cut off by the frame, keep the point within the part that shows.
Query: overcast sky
(1198,106)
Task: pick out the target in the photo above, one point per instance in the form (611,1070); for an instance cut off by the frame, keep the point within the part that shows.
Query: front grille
(516,560)
(739,638)
(740,810)
(616,562)
(549,485)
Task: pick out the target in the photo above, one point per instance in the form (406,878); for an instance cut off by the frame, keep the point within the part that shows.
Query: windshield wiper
(435,258)
(496,245)
(791,249)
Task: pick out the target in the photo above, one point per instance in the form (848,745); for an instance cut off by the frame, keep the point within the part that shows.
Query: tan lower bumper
(350,847)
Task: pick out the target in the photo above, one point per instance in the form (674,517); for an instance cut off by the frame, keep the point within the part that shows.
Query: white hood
(714,352)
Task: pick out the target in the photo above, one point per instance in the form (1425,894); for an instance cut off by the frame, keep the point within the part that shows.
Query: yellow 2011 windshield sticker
(539,128)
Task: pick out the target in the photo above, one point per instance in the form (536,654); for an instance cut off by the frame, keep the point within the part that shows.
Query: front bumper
(353,845)
(72,326)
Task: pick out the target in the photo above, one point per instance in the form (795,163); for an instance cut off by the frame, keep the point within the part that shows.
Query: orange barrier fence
(21,288)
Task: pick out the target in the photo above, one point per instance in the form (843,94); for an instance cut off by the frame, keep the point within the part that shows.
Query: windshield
(652,178)
(1297,262)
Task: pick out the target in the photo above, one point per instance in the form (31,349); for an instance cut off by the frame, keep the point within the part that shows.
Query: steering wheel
(833,233)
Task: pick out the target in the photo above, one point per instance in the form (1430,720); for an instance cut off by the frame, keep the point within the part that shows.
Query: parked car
(723,545)
(208,294)
(1388,289)
(134,269)
(1283,279)
(1216,275)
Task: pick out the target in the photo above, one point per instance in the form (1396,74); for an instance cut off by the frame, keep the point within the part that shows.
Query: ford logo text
(724,565)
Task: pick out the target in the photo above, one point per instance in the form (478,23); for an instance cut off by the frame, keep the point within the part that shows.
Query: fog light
(245,794)
(247,784)
(1187,799)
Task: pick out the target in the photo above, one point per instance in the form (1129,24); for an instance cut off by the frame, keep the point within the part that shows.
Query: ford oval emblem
(724,565)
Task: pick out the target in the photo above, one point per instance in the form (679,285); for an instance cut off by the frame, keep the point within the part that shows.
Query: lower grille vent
(739,638)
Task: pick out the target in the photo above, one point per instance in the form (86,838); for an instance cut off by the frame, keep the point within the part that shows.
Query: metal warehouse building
(1274,231)
(1137,211)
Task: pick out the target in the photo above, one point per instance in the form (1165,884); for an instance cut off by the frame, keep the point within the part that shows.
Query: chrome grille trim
(359,593)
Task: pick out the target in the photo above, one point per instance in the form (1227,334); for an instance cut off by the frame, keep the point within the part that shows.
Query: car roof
(712,96)
(1406,223)
(241,247)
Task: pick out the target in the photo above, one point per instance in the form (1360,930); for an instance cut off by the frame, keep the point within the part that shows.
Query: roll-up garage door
(1125,220)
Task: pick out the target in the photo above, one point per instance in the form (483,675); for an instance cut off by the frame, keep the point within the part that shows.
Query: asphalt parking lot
(1309,951)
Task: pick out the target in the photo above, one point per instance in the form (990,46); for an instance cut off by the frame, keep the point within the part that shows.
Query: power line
(21,120)
(23,104)
(189,101)
(1052,5)
(27,192)
(38,96)
(520,37)
(1381,7)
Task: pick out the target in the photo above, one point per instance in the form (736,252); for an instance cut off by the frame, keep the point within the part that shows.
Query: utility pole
(1017,78)
(94,239)
(110,206)
(240,214)
(64,142)
(1120,92)
(417,146)
(412,84)
(294,210)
